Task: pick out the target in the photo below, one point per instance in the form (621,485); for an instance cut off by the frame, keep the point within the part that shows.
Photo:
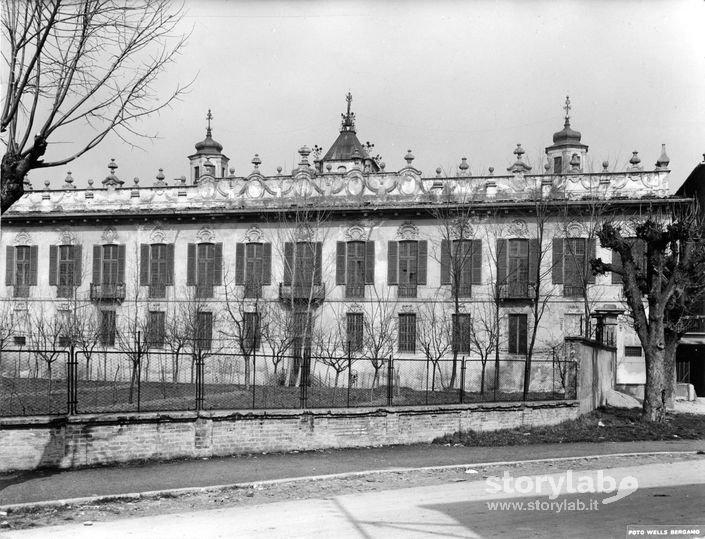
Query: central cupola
(567,154)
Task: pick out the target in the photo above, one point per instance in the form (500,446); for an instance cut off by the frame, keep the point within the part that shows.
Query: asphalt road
(38,486)
(659,493)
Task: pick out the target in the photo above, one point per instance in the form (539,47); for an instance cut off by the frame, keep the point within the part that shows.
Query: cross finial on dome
(567,108)
(348,117)
(209,117)
(348,98)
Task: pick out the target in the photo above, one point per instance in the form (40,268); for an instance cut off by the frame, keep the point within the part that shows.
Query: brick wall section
(89,440)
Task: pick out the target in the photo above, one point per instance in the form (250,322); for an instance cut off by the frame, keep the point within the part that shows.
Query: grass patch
(604,425)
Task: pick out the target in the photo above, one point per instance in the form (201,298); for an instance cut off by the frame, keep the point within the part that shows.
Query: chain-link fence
(41,382)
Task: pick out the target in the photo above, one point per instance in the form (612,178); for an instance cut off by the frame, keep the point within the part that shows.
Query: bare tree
(79,70)
(660,288)
(176,340)
(435,336)
(484,335)
(378,330)
(330,348)
(278,335)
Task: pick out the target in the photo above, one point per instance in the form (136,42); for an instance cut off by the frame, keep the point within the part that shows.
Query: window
(156,329)
(355,332)
(107,328)
(157,268)
(251,327)
(517,333)
(355,266)
(253,267)
(204,267)
(407,332)
(204,331)
(406,266)
(516,266)
(64,327)
(19,340)
(462,330)
(557,165)
(65,269)
(302,264)
(632,351)
(108,272)
(21,269)
(461,265)
(196,173)
(571,264)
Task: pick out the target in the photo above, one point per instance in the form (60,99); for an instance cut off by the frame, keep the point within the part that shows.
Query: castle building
(384,263)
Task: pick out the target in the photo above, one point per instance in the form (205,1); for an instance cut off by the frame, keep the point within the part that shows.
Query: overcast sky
(444,79)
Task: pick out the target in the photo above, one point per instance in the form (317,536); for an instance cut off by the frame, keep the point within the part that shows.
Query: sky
(446,79)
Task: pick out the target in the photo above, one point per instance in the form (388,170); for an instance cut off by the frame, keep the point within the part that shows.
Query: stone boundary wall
(29,443)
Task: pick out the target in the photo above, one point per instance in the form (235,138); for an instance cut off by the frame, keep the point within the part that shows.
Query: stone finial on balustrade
(663,160)
(409,158)
(68,181)
(161,182)
(635,162)
(256,162)
(464,167)
(519,166)
(111,179)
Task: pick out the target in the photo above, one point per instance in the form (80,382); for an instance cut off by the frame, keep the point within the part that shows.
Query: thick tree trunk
(655,388)
(13,170)
(669,371)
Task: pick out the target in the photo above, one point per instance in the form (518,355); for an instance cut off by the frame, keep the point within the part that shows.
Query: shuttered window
(253,267)
(412,267)
(204,267)
(461,265)
(571,264)
(355,266)
(156,328)
(407,332)
(302,264)
(517,261)
(110,265)
(204,331)
(65,269)
(251,335)
(461,333)
(21,268)
(517,334)
(354,331)
(107,328)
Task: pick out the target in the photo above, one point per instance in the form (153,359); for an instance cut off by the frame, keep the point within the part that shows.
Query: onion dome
(567,137)
(208,145)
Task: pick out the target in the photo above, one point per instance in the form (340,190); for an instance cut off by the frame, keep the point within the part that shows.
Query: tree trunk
(669,371)
(13,170)
(655,388)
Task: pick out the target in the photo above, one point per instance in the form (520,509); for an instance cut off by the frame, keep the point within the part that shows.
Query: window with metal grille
(632,351)
(355,331)
(156,329)
(204,330)
(407,332)
(517,333)
(107,328)
(251,328)
(461,333)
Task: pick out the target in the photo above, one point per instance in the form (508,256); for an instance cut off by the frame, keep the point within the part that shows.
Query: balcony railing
(354,291)
(253,290)
(21,291)
(517,291)
(305,292)
(406,291)
(157,291)
(107,292)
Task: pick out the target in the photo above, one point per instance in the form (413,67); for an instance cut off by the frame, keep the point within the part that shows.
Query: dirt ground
(111,509)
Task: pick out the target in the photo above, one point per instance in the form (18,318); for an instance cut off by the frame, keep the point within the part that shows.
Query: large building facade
(342,256)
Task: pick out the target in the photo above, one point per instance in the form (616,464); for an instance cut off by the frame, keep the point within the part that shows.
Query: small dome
(209,146)
(567,135)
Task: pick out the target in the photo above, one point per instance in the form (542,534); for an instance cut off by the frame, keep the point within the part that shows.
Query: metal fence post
(462,380)
(390,382)
(139,369)
(72,381)
(349,374)
(426,392)
(254,377)
(199,380)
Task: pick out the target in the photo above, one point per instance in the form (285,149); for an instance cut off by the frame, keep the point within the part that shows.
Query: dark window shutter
(476,255)
(557,271)
(340,252)
(370,262)
(445,262)
(33,258)
(53,256)
(144,264)
(288,262)
(77,253)
(617,264)
(121,263)
(218,265)
(169,264)
(267,264)
(318,267)
(392,262)
(191,265)
(97,262)
(240,263)
(9,266)
(533,260)
(523,334)
(590,255)
(501,261)
(421,256)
